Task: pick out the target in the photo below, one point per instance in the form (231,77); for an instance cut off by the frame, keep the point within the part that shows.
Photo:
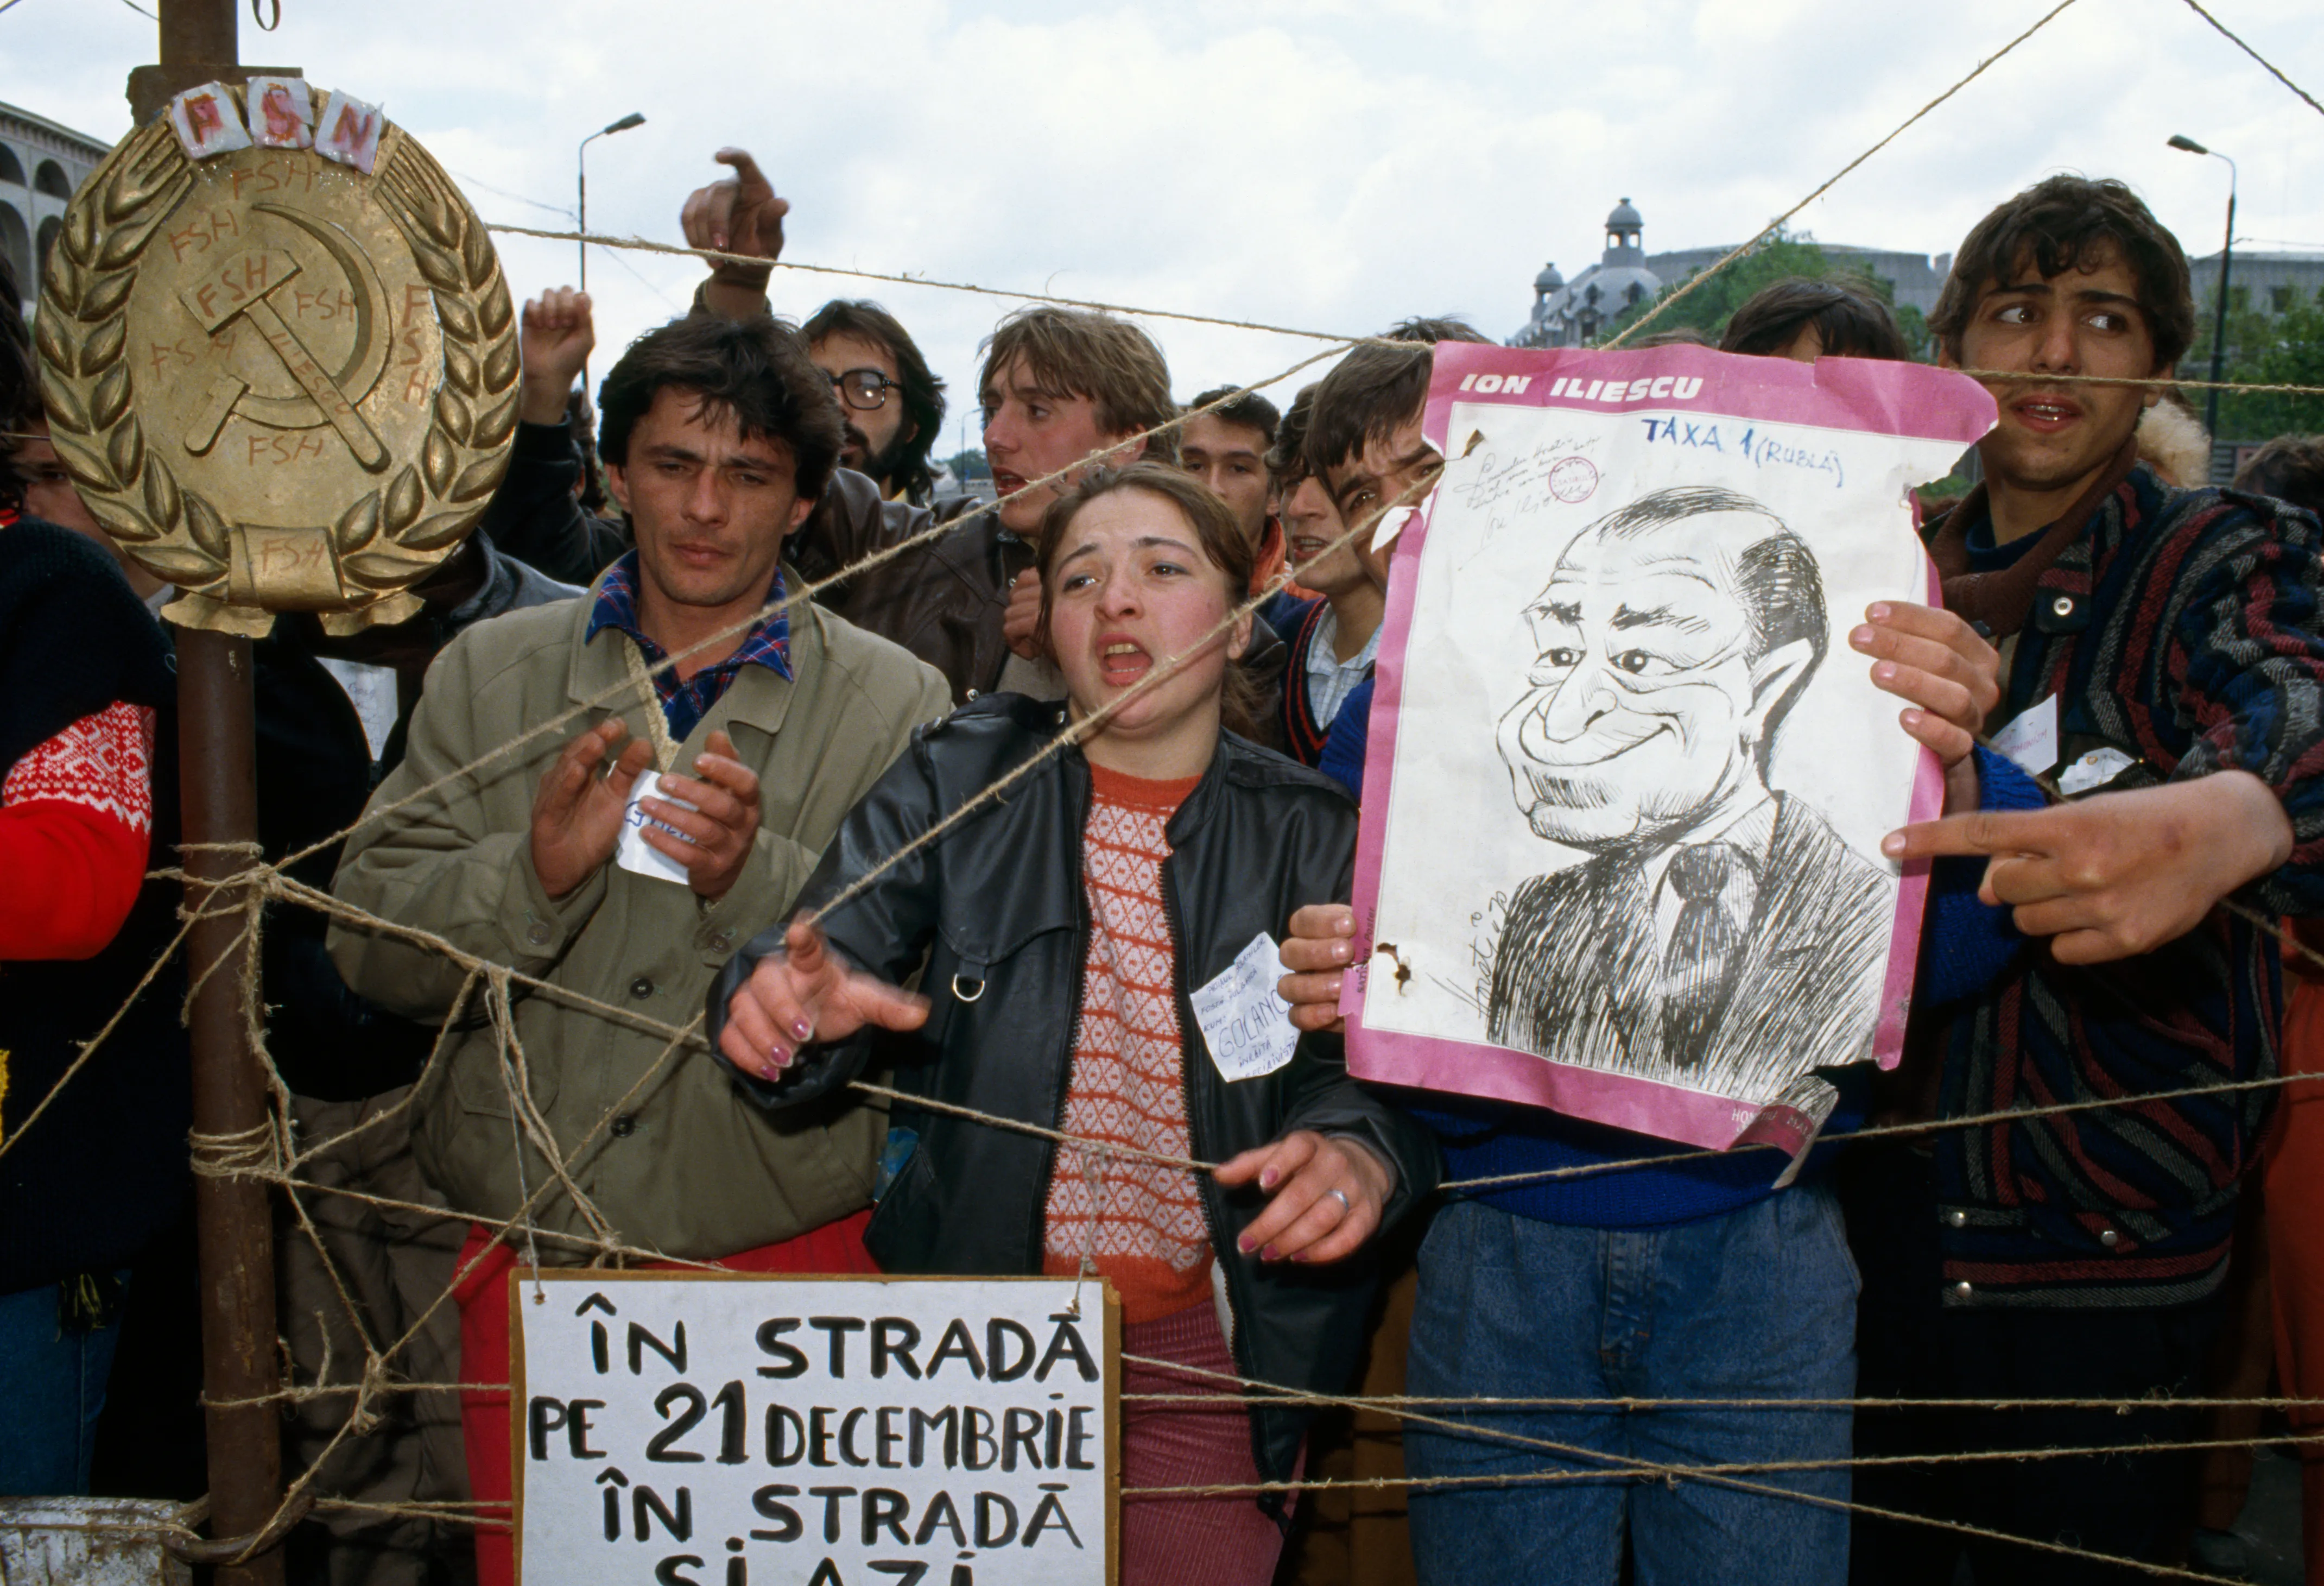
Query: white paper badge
(1246,1025)
(2031,739)
(635,853)
(349,132)
(281,111)
(2094,770)
(207,121)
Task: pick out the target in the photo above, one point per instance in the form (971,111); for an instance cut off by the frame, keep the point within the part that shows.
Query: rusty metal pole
(233,1218)
(219,782)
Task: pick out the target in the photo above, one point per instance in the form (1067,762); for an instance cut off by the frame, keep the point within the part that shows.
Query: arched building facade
(41,163)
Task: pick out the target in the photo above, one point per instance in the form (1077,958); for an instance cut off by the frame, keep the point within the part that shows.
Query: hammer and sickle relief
(243,291)
(282,382)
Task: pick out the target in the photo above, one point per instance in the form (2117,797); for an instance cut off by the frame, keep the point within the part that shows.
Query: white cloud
(1325,163)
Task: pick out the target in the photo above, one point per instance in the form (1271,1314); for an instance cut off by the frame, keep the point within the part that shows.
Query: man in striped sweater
(2160,647)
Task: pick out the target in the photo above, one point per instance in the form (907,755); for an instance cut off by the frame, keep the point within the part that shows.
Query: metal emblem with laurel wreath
(280,383)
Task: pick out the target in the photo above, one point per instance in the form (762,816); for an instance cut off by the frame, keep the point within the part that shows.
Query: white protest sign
(729,1429)
(1246,1024)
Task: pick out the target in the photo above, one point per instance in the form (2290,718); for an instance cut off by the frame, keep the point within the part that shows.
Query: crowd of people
(1164,631)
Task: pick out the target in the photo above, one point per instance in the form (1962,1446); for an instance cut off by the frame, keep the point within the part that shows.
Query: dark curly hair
(2072,222)
(923,391)
(2290,467)
(1849,319)
(755,369)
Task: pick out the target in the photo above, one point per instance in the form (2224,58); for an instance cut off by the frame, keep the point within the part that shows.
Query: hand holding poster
(1628,780)
(716,1429)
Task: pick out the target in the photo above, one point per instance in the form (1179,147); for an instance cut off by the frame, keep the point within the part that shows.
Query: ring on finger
(1341,1195)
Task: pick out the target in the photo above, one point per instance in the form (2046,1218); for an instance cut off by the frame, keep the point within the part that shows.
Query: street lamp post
(581,183)
(2227,259)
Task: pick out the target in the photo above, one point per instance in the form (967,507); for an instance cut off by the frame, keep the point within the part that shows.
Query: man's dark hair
(1850,321)
(1376,389)
(2290,468)
(1249,411)
(1677,336)
(1287,459)
(755,369)
(1781,587)
(921,389)
(2072,222)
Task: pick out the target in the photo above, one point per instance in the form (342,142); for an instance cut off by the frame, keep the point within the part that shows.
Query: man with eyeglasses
(892,402)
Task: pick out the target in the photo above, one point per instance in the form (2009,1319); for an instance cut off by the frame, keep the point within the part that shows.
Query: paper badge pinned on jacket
(635,853)
(2031,738)
(1245,1024)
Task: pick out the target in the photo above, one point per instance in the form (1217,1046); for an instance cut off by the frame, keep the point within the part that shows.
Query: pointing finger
(746,172)
(1984,831)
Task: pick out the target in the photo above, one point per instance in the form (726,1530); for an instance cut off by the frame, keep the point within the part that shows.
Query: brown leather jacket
(943,599)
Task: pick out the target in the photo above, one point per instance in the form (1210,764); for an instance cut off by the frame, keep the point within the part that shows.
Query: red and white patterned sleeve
(76,823)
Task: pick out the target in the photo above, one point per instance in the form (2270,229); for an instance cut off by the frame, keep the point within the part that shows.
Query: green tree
(969,465)
(2263,349)
(1708,308)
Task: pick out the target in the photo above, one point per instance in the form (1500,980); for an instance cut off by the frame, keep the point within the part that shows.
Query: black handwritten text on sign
(728,1431)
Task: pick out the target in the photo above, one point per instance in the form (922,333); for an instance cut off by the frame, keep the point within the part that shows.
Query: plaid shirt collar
(685,701)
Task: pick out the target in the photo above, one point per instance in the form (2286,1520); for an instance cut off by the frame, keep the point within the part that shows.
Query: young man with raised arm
(1059,386)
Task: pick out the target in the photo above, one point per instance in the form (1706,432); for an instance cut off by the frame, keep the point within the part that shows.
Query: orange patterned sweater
(1139,1223)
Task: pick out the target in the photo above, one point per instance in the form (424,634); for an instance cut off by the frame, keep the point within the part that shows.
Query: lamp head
(2181,141)
(627,121)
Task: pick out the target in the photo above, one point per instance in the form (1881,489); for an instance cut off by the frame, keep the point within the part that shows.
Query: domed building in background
(1572,314)
(1576,313)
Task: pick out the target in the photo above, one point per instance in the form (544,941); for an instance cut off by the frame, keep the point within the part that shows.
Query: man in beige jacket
(718,437)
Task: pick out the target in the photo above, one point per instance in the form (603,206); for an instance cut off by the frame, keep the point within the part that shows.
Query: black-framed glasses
(865,389)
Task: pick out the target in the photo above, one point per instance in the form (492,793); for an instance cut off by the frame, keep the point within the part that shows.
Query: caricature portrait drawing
(1717,931)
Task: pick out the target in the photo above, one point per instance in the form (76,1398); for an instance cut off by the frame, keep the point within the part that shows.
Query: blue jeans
(1758,1304)
(51,1388)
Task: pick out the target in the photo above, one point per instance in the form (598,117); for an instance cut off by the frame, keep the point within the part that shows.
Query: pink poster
(1628,780)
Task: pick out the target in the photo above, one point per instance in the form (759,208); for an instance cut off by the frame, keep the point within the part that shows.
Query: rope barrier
(2196,6)
(1665,304)
(269,1153)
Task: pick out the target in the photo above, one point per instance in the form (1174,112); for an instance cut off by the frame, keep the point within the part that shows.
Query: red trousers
(1220,1540)
(483,1297)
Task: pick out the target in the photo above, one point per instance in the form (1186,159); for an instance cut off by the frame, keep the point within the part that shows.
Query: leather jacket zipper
(1064,1071)
(1198,1146)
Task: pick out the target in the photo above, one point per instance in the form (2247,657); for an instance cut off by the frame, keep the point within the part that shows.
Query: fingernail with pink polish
(778,1056)
(802,1028)
(1244,1244)
(1267,1179)
(1268,1254)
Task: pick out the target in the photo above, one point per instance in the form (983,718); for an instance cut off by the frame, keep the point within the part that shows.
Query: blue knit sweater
(1965,945)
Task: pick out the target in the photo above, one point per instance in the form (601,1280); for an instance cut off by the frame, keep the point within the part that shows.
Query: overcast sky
(1328,165)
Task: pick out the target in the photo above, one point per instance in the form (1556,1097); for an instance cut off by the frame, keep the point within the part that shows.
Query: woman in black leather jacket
(1065,926)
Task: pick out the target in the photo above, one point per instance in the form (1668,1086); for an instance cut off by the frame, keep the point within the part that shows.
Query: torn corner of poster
(1627,779)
